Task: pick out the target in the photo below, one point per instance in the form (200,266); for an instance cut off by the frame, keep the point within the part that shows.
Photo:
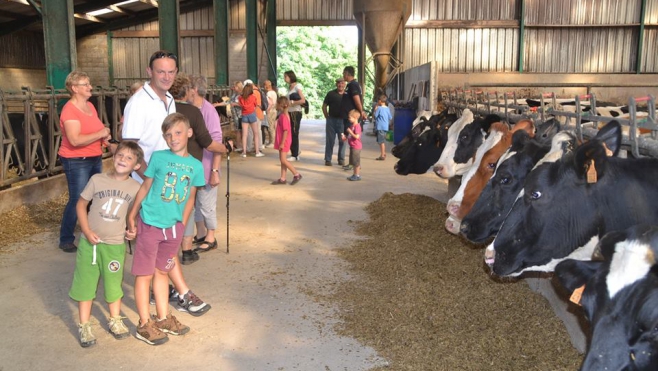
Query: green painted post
(271,40)
(59,39)
(221,9)
(168,14)
(110,63)
(640,39)
(521,35)
(252,41)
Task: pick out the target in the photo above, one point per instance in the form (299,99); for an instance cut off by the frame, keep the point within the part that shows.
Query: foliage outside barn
(317,55)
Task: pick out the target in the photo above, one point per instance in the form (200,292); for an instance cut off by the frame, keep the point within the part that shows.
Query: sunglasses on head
(162,54)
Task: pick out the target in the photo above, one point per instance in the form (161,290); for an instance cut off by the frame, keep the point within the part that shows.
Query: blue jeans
(78,171)
(333,131)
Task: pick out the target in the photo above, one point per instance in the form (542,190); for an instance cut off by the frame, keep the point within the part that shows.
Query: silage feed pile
(425,301)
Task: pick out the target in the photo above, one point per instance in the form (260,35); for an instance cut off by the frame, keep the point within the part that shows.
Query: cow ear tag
(591,173)
(577,295)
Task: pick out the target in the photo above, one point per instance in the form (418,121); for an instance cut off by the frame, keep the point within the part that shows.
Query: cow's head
(420,153)
(620,299)
(498,195)
(556,213)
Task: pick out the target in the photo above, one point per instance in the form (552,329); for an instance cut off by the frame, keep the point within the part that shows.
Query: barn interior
(430,53)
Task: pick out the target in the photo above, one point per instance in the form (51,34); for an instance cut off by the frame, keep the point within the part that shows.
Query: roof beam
(150,2)
(120,10)
(88,17)
(95,5)
(137,18)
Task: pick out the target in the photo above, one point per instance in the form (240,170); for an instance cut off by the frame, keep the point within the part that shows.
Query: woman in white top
(297,99)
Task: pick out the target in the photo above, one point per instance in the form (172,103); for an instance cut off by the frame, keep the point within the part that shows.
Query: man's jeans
(78,171)
(333,130)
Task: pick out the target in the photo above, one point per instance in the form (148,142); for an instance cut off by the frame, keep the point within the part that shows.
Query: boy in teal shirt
(164,202)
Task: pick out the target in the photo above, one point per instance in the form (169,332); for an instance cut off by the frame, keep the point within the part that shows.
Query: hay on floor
(425,300)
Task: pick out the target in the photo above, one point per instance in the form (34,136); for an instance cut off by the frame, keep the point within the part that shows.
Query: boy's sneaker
(354,178)
(171,325)
(348,167)
(192,304)
(151,334)
(189,257)
(87,338)
(117,328)
(173,295)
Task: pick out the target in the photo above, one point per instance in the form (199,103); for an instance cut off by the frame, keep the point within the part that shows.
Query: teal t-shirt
(173,178)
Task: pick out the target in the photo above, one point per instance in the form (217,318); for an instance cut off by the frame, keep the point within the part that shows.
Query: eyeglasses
(162,54)
(85,84)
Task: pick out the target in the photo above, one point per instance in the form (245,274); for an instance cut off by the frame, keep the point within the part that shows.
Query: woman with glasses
(83,134)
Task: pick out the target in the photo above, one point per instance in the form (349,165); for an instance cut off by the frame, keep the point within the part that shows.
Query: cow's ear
(590,160)
(610,134)
(547,130)
(573,274)
(519,139)
(488,120)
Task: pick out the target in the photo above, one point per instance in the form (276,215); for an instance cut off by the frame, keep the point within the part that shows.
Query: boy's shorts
(355,157)
(109,266)
(381,136)
(156,248)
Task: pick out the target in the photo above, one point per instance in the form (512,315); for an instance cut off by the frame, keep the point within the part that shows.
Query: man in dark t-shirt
(332,108)
(353,97)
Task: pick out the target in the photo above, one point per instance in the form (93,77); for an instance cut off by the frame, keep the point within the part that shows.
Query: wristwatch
(215,170)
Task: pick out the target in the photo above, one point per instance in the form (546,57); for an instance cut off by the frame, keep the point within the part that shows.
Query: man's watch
(215,170)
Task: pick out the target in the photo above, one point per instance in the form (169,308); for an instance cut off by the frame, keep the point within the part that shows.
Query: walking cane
(228,193)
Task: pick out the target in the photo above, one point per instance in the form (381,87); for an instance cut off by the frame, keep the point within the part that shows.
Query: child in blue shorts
(102,249)
(164,203)
(382,118)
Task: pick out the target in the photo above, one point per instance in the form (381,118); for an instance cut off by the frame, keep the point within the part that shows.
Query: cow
(620,299)
(418,152)
(486,157)
(464,137)
(566,206)
(498,195)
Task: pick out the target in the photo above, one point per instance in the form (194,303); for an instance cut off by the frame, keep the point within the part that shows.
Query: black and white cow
(497,197)
(422,147)
(464,137)
(620,299)
(566,206)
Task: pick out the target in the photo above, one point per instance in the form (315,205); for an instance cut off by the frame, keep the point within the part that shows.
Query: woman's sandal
(381,158)
(278,182)
(211,246)
(197,241)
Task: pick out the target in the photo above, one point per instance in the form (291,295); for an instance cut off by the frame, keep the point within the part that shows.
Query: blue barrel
(404,117)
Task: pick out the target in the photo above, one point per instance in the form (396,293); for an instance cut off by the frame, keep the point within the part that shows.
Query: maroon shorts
(156,248)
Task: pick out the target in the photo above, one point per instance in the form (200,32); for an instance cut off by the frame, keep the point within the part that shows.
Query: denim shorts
(381,136)
(250,118)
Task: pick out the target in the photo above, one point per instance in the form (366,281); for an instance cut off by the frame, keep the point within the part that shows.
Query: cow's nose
(438,169)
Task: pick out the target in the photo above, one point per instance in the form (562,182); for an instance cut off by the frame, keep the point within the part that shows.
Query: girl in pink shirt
(283,141)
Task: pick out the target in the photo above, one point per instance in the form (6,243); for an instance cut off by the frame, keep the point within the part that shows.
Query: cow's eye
(491,165)
(504,180)
(536,195)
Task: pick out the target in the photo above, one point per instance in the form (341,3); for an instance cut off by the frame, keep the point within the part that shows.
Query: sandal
(279,181)
(197,241)
(296,179)
(381,158)
(210,246)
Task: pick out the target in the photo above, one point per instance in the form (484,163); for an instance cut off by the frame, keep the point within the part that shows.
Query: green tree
(317,55)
